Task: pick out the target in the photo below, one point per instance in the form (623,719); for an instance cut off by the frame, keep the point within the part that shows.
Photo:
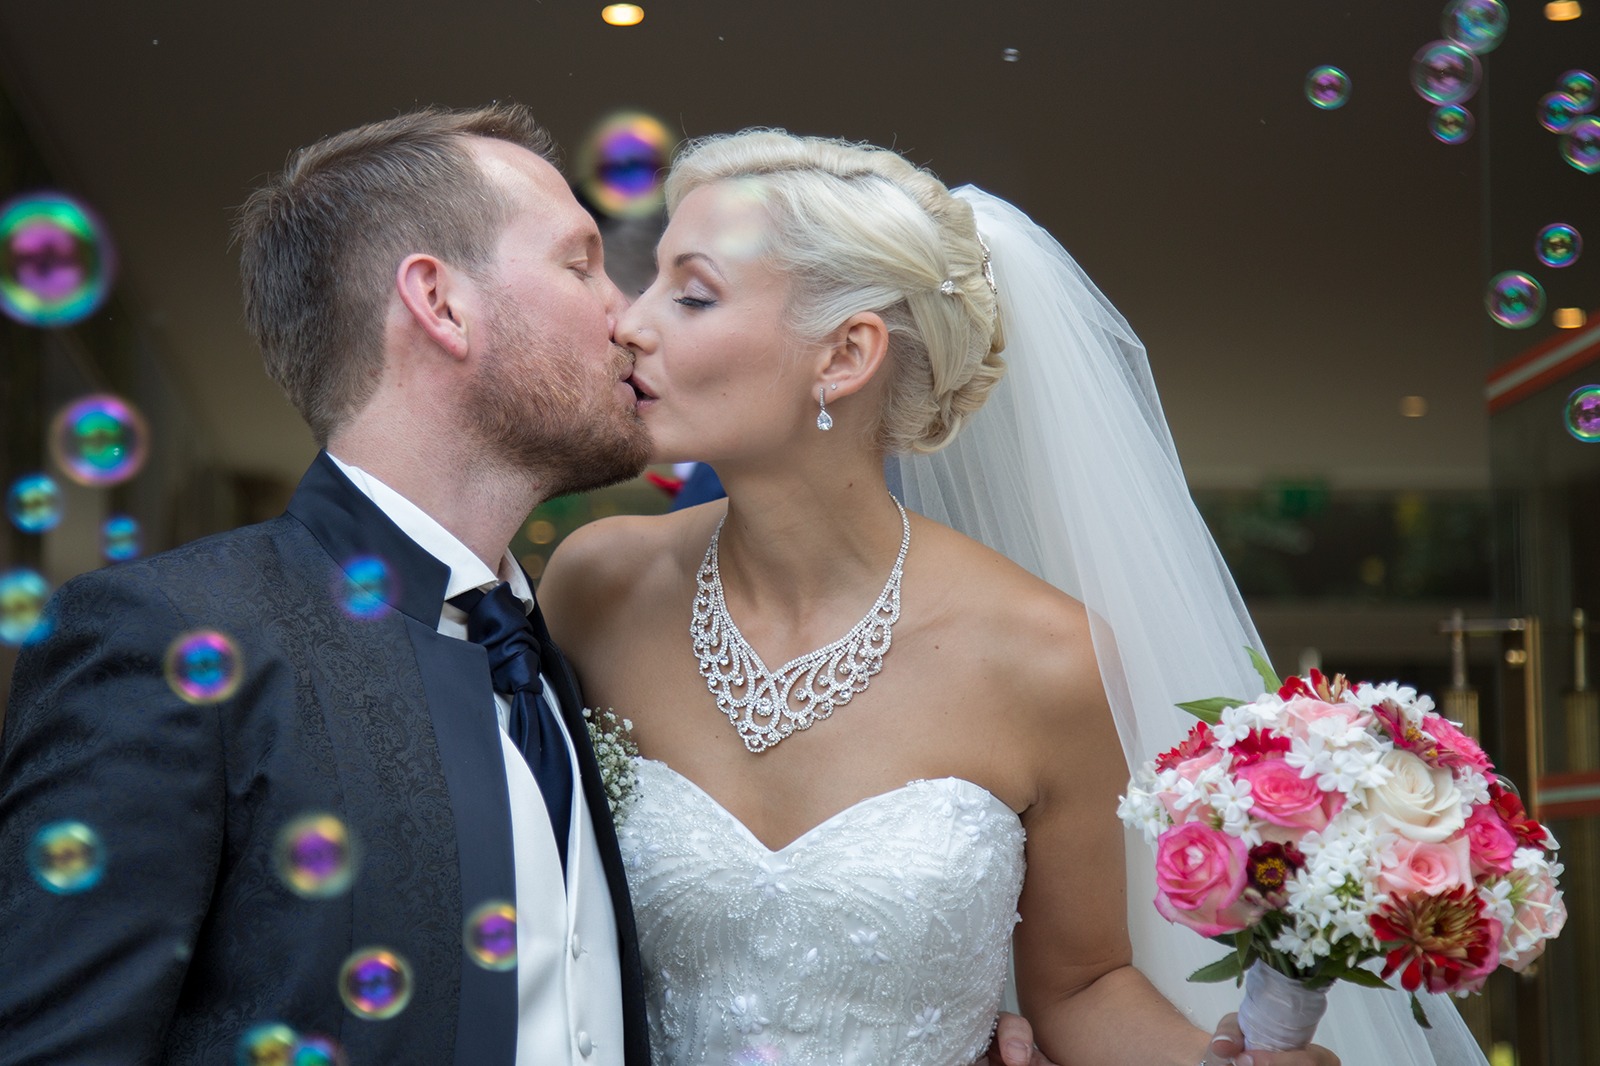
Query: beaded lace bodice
(879,937)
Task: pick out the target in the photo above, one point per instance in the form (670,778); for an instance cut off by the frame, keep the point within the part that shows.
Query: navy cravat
(496,620)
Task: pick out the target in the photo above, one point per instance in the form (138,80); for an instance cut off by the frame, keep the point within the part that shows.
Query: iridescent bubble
(23,594)
(1445,73)
(268,1044)
(1450,124)
(366,585)
(314,1049)
(204,666)
(67,857)
(1580,145)
(1010,55)
(490,935)
(56,262)
(1581,86)
(1583,414)
(1558,245)
(316,856)
(34,503)
(622,163)
(119,538)
(1514,299)
(375,983)
(99,440)
(1476,25)
(1557,112)
(1328,87)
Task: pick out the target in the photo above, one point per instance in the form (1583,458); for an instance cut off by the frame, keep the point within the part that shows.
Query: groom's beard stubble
(536,407)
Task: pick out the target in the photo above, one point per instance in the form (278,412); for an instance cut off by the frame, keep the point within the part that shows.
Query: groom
(432,299)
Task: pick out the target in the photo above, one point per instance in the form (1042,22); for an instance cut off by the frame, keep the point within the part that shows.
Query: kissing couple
(389,841)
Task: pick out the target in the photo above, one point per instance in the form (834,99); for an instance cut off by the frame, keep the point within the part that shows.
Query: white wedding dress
(881,936)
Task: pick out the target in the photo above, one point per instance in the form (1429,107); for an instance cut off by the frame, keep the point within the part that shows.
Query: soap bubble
(375,983)
(1445,73)
(119,538)
(1558,245)
(204,666)
(34,503)
(1557,112)
(315,856)
(314,1049)
(56,262)
(623,162)
(67,857)
(1476,25)
(1010,55)
(1328,87)
(1450,124)
(1515,300)
(269,1044)
(1580,145)
(23,594)
(1581,86)
(1583,414)
(366,585)
(490,935)
(99,440)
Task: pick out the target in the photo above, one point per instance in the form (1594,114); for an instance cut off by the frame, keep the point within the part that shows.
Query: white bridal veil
(1069,470)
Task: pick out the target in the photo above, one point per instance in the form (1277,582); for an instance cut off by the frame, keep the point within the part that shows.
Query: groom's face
(551,393)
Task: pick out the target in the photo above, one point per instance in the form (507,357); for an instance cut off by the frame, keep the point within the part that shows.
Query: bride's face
(718,376)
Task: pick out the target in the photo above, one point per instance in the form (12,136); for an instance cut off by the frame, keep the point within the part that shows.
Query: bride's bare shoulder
(612,562)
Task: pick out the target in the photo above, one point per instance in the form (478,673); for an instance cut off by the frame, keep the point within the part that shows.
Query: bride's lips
(643,395)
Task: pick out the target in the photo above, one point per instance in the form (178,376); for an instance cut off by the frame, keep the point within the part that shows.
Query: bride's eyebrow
(681,260)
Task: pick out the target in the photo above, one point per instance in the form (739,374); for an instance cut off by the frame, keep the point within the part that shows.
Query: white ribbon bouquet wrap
(1334,832)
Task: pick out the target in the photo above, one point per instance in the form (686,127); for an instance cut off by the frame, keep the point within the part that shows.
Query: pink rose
(1281,796)
(1492,843)
(1190,770)
(1200,875)
(1455,747)
(1410,866)
(1540,915)
(1298,714)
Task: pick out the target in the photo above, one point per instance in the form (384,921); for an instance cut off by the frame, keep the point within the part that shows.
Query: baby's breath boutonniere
(614,749)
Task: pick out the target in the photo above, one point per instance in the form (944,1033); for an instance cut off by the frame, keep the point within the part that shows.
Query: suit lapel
(455,682)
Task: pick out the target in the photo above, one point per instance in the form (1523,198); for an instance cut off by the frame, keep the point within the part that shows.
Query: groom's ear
(433,297)
(856,351)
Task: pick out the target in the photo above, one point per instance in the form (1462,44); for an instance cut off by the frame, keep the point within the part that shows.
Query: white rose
(1418,801)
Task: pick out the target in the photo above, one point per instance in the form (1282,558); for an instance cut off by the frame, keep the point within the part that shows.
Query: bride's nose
(631,331)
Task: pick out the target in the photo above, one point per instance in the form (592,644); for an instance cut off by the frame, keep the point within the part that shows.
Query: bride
(833,859)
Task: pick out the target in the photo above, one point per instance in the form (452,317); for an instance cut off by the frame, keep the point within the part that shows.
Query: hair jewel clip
(988,271)
(948,286)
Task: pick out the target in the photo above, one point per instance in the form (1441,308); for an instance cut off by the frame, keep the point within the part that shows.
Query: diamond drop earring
(824,419)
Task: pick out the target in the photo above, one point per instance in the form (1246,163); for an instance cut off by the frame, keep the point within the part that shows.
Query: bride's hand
(1227,1045)
(1013,1045)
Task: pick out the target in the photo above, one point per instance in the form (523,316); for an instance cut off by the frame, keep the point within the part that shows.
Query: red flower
(1270,867)
(1317,687)
(1258,745)
(1406,737)
(1455,747)
(1196,743)
(1529,833)
(1444,943)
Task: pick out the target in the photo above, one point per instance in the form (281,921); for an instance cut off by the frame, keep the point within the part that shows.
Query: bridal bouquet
(1329,831)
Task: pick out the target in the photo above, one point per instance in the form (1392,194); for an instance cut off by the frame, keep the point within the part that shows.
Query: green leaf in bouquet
(1269,677)
(1355,975)
(1243,940)
(1416,1012)
(1210,711)
(1224,969)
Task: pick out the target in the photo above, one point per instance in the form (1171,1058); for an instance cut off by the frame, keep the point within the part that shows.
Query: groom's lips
(641,392)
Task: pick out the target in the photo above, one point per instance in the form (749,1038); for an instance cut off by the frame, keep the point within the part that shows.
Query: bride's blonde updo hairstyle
(858,228)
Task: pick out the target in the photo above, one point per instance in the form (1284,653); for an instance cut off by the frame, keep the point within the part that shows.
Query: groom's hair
(320,243)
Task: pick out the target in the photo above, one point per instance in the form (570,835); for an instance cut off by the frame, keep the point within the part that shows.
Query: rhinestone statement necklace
(757,700)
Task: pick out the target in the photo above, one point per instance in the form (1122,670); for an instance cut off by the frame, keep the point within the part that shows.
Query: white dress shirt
(569,982)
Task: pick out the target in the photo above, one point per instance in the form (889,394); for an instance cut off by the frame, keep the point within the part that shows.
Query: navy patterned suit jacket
(190,938)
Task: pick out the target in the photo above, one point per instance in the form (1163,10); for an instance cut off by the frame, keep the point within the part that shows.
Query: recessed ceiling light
(1413,406)
(1568,317)
(1562,10)
(622,14)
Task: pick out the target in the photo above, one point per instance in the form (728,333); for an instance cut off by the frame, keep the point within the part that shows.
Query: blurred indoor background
(1371,345)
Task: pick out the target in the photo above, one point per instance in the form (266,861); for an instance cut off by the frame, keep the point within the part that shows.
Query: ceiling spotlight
(1568,317)
(630,14)
(1562,10)
(1413,406)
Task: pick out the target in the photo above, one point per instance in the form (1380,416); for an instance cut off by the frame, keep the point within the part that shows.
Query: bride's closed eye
(694,303)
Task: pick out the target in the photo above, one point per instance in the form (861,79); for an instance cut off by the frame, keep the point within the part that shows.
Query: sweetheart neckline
(865,801)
